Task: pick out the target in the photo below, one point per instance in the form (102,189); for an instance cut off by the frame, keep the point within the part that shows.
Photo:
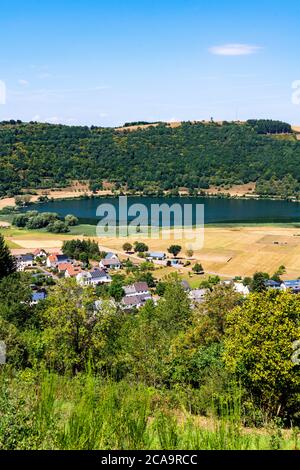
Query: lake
(216,210)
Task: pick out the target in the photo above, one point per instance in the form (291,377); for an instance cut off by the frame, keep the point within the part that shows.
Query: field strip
(34,244)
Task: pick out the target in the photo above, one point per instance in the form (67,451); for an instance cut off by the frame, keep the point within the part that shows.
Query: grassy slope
(87,413)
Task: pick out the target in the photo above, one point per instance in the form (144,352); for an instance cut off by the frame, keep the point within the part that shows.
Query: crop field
(227,251)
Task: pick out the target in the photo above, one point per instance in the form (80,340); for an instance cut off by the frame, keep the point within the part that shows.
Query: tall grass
(87,413)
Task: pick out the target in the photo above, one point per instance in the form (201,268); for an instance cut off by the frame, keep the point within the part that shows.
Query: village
(108,276)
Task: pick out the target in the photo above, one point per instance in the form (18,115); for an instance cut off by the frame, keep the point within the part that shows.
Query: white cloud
(234,49)
(23,82)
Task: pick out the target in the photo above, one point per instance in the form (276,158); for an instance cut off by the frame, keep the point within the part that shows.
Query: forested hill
(192,155)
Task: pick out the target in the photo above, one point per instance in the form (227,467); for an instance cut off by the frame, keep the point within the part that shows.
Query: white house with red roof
(55,259)
(40,253)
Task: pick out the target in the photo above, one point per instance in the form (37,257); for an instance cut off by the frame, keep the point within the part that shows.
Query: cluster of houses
(137,294)
(292,286)
(28,260)
(197,296)
(71,269)
(68,268)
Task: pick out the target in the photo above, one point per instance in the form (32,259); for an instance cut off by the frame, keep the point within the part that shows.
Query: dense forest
(268,126)
(193,155)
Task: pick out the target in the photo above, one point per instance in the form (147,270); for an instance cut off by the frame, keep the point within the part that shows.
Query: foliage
(47,412)
(75,248)
(210,282)
(74,332)
(22,201)
(16,354)
(140,247)
(190,253)
(258,283)
(115,290)
(58,227)
(209,318)
(286,187)
(198,268)
(259,346)
(33,220)
(280,272)
(71,220)
(174,250)
(151,161)
(127,247)
(120,380)
(268,126)
(15,298)
(146,277)
(7,262)
(161,288)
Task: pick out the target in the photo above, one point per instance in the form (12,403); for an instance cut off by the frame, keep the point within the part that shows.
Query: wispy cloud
(234,49)
(23,82)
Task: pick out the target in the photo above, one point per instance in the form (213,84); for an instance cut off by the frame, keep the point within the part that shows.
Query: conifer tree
(7,262)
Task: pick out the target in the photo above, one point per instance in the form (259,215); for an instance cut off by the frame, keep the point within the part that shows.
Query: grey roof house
(136,289)
(135,301)
(136,295)
(24,261)
(294,286)
(93,278)
(197,296)
(111,263)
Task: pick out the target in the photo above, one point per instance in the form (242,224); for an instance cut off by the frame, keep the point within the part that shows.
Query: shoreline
(55,196)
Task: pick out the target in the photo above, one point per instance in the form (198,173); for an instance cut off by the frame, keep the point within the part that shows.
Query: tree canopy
(7,262)
(259,345)
(151,160)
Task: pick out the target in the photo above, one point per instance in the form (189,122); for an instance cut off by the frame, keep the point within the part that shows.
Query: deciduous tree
(260,335)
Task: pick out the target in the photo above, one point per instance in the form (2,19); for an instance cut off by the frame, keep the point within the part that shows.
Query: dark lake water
(215,210)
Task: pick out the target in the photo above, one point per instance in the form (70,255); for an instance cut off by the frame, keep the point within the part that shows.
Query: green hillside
(193,155)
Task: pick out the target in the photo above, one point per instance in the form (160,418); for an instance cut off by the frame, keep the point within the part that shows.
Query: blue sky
(107,62)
